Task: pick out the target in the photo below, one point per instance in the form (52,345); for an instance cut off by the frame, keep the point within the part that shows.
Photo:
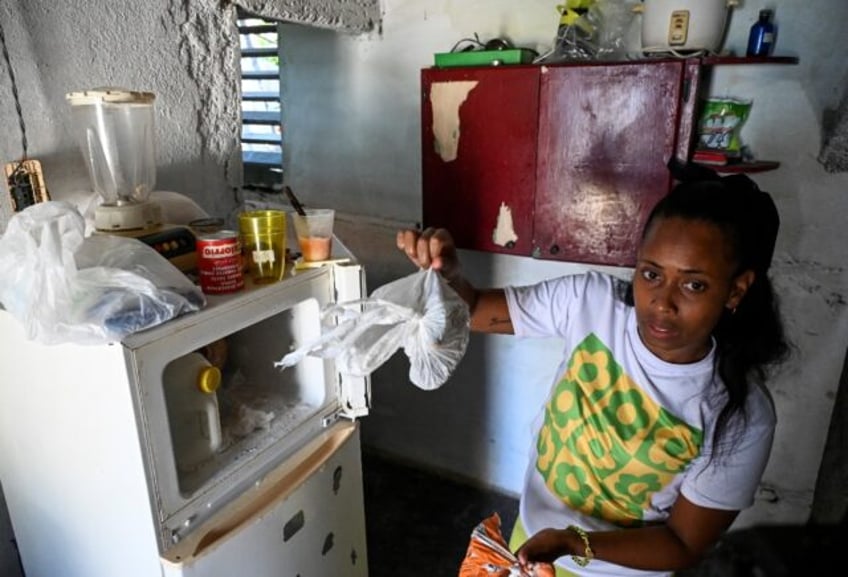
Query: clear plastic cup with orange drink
(315,233)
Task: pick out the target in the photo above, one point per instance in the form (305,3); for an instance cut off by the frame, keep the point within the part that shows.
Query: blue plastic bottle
(761,39)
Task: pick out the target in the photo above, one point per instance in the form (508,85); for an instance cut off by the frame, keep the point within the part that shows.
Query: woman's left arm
(681,542)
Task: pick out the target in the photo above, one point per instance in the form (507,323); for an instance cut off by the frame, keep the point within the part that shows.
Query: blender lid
(109,95)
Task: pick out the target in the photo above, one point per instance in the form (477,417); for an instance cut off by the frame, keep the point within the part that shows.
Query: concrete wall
(185,51)
(352,111)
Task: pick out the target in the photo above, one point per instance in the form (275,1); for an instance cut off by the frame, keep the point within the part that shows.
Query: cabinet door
(479,133)
(606,133)
(686,129)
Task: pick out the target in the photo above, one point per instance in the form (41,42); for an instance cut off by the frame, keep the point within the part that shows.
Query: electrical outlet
(25,184)
(678,28)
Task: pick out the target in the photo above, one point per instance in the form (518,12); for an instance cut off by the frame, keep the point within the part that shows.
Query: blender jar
(115,131)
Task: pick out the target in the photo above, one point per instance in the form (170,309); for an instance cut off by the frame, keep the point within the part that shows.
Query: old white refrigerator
(95,486)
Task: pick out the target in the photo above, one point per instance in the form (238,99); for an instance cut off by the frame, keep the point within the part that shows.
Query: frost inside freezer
(226,401)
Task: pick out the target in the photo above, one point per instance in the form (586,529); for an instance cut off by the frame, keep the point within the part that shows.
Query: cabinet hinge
(332,418)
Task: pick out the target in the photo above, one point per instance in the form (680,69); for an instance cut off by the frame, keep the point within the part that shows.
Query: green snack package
(720,124)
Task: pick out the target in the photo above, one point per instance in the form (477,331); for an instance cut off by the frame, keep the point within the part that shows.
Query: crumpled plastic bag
(488,555)
(591,30)
(720,125)
(419,313)
(65,287)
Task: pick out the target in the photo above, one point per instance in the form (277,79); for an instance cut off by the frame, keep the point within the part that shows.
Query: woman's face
(684,280)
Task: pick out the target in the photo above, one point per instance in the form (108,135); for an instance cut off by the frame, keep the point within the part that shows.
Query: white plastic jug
(190,383)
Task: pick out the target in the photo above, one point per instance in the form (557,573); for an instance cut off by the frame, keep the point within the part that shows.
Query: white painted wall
(353,142)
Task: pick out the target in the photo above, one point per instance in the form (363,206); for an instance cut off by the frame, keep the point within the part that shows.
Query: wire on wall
(14,92)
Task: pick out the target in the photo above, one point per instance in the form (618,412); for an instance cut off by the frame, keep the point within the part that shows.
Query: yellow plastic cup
(263,241)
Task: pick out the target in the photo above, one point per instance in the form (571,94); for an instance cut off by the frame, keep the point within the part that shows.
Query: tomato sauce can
(219,263)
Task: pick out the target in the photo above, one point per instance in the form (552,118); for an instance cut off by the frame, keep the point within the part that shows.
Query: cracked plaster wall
(834,153)
(340,15)
(185,51)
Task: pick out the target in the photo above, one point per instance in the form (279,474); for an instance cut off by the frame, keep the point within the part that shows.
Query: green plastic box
(484,57)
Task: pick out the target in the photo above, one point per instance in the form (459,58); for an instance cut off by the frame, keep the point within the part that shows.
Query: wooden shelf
(723,60)
(759,165)
(744,167)
(656,57)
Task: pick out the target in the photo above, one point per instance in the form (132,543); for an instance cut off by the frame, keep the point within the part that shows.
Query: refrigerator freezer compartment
(266,414)
(305,518)
(256,404)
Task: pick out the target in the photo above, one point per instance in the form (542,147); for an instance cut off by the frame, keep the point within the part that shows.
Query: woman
(657,430)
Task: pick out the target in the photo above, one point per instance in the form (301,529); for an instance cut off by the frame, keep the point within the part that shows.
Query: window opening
(261,123)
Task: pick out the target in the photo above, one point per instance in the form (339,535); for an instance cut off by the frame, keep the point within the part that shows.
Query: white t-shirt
(624,432)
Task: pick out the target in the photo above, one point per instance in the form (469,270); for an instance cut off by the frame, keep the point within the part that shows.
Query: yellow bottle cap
(209,379)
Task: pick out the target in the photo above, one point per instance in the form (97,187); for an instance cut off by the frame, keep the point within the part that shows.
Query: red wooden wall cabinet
(479,141)
(557,162)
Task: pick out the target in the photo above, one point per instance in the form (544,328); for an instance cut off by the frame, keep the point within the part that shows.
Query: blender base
(127,216)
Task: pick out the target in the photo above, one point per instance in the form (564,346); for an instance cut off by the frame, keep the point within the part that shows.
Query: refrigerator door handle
(264,496)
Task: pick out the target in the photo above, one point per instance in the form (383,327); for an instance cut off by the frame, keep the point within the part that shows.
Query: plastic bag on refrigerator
(65,287)
(419,313)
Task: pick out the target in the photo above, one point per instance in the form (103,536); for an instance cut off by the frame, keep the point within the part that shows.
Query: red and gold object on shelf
(219,262)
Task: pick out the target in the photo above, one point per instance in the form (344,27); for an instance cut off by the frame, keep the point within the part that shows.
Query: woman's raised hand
(432,247)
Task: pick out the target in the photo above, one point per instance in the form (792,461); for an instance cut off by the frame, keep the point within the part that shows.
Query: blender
(115,131)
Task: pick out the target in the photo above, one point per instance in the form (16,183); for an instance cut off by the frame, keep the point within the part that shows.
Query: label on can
(219,263)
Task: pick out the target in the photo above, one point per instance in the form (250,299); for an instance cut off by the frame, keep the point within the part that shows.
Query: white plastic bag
(65,287)
(419,313)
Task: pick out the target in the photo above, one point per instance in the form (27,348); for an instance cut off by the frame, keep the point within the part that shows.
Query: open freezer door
(354,392)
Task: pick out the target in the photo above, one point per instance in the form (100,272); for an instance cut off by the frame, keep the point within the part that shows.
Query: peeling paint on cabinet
(447,98)
(495,158)
(504,233)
